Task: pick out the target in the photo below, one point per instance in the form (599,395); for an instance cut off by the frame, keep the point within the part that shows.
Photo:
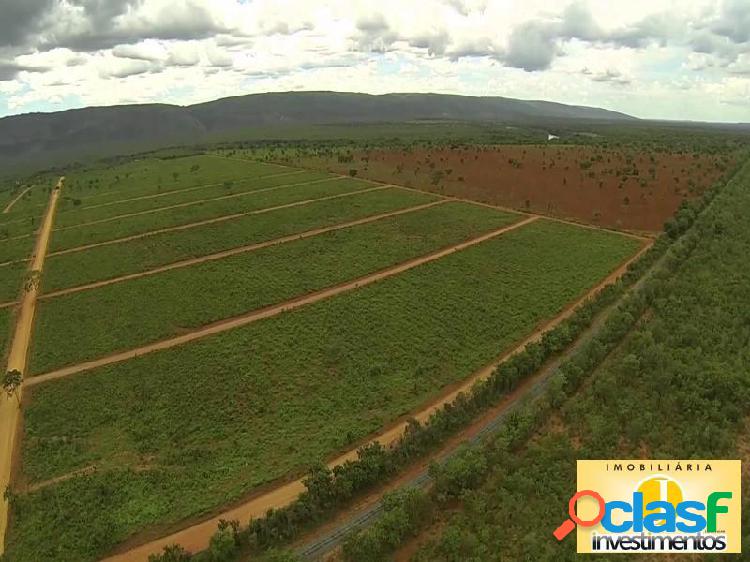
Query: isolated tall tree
(12,382)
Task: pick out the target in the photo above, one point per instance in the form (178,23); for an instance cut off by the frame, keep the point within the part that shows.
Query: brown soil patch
(618,189)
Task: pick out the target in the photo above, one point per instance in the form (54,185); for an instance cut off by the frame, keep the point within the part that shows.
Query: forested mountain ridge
(106,130)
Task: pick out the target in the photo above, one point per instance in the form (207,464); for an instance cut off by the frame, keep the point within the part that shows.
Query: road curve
(9,408)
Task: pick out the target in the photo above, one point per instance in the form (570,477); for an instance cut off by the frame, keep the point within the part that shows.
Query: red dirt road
(197,202)
(17,357)
(215,220)
(197,537)
(268,312)
(241,250)
(175,191)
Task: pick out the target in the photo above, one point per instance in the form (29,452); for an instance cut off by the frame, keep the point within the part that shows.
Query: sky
(661,59)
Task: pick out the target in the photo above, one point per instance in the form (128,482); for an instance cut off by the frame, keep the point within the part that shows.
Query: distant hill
(45,138)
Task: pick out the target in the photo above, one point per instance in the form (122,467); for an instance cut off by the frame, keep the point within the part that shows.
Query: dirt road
(198,202)
(197,537)
(175,191)
(9,409)
(15,199)
(268,312)
(240,250)
(216,220)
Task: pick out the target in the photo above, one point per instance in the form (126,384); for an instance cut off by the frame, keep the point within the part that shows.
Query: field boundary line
(463,199)
(16,199)
(196,537)
(95,195)
(198,202)
(269,311)
(19,237)
(7,304)
(526,213)
(322,539)
(215,220)
(13,262)
(240,250)
(18,357)
(177,191)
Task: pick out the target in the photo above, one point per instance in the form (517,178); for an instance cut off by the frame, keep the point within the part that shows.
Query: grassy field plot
(187,196)
(14,250)
(153,175)
(6,314)
(110,230)
(135,312)
(32,203)
(11,279)
(16,226)
(143,254)
(178,432)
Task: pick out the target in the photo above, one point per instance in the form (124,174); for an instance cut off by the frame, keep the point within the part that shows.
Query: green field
(676,386)
(133,313)
(236,189)
(19,226)
(5,330)
(11,279)
(139,224)
(179,432)
(107,262)
(14,250)
(153,175)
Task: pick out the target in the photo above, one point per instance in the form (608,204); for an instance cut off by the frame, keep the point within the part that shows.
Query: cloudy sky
(673,59)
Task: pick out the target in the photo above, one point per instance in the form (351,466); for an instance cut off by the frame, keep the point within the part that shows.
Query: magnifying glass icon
(569,524)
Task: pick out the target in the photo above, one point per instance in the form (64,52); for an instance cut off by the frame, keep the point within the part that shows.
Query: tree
(12,382)
(172,553)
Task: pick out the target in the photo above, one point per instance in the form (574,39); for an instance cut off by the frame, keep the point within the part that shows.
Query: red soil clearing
(613,188)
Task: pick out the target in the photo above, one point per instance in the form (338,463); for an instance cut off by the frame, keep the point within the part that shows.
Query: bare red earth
(614,188)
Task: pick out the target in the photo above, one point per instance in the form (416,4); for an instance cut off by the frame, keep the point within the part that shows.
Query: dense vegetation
(200,294)
(143,254)
(667,378)
(342,368)
(328,490)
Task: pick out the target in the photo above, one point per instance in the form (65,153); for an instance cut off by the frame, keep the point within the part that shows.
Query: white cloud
(636,56)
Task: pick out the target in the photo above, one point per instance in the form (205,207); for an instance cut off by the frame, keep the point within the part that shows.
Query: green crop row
(11,279)
(206,422)
(191,196)
(150,176)
(14,250)
(6,314)
(139,224)
(136,312)
(143,254)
